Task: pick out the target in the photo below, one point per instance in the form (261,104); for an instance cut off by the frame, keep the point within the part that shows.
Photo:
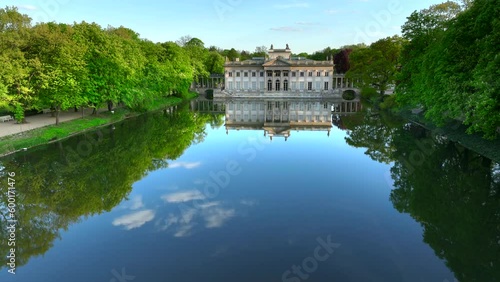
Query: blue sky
(305,25)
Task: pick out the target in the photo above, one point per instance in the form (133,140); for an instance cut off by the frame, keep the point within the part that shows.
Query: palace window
(254,85)
(285,85)
(318,74)
(245,85)
(278,85)
(269,73)
(245,74)
(230,85)
(310,73)
(254,74)
(230,74)
(294,85)
(301,73)
(310,86)
(269,85)
(269,106)
(327,74)
(261,86)
(285,73)
(325,106)
(326,85)
(238,74)
(261,74)
(238,85)
(318,85)
(294,74)
(302,84)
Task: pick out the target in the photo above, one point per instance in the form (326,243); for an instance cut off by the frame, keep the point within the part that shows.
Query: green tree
(62,66)
(16,72)
(377,65)
(450,63)
(214,63)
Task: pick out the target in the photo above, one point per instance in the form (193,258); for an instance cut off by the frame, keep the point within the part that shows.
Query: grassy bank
(51,133)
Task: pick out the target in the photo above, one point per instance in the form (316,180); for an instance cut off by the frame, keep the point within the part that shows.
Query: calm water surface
(192,196)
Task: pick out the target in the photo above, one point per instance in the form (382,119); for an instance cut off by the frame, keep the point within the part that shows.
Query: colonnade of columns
(343,82)
(211,82)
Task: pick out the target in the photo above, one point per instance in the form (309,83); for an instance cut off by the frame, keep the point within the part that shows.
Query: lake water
(261,190)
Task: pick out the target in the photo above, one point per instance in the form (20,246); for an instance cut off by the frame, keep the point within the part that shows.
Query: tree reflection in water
(451,191)
(60,183)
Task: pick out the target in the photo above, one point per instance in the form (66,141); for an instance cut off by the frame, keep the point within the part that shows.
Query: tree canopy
(450,64)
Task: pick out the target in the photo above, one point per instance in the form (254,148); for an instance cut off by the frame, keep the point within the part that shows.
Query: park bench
(6,118)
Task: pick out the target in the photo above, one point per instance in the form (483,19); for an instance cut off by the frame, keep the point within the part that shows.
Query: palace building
(278,74)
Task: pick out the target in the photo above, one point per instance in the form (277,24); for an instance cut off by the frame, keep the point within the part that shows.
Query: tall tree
(16,72)
(61,69)
(449,66)
(377,65)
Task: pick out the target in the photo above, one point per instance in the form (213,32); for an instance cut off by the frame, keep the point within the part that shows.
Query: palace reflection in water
(278,117)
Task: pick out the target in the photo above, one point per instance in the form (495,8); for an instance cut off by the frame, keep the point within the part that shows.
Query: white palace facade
(279,74)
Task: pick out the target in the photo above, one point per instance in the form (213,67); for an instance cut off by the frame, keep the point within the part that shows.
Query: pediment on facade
(276,63)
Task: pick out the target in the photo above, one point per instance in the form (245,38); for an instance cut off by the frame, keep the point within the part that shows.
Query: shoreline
(49,134)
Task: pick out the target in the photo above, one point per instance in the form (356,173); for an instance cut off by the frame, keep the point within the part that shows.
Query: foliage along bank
(62,66)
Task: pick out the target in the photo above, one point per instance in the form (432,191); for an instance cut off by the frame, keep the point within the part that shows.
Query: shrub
(19,114)
(349,95)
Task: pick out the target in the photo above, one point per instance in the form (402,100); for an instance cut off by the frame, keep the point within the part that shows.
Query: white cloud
(182,197)
(249,203)
(306,23)
(332,11)
(135,203)
(209,205)
(216,217)
(184,230)
(134,220)
(286,29)
(186,165)
(27,7)
(166,223)
(188,215)
(291,5)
